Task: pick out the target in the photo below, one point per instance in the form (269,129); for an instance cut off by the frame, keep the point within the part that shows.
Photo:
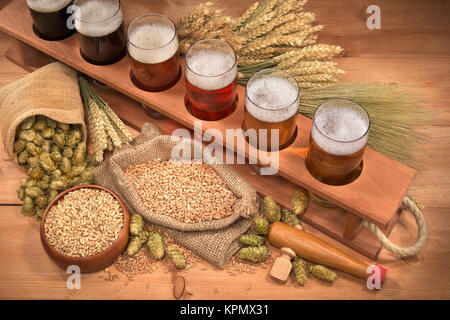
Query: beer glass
(338,139)
(271,105)
(211,79)
(100,30)
(153,51)
(50,18)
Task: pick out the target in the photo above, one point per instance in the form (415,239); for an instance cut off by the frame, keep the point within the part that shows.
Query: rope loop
(416,210)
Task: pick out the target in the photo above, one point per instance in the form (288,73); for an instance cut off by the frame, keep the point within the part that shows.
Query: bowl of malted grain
(86,226)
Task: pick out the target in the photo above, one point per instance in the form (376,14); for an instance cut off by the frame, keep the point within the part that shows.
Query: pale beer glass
(338,139)
(153,51)
(271,106)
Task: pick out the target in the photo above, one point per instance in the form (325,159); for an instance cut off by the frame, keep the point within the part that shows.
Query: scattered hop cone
(136,243)
(136,224)
(300,270)
(33,192)
(28,208)
(252,240)
(299,201)
(255,254)
(261,226)
(289,218)
(176,256)
(35,172)
(273,211)
(323,273)
(155,245)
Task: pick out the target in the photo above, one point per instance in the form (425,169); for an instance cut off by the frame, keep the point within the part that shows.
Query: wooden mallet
(316,250)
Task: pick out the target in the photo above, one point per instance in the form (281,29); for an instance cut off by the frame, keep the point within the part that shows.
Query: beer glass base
(334,181)
(284,146)
(209,115)
(47,38)
(321,201)
(154,89)
(104,63)
(153,113)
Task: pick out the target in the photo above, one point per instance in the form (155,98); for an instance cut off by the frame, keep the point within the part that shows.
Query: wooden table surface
(411,49)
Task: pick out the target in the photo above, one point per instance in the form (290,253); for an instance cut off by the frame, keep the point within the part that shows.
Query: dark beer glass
(271,105)
(153,51)
(211,79)
(338,139)
(100,30)
(50,18)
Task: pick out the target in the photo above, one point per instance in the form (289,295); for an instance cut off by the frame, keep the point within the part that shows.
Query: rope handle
(416,210)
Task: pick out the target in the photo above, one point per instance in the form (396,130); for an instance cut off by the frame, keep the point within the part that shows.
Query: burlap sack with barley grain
(215,240)
(51,91)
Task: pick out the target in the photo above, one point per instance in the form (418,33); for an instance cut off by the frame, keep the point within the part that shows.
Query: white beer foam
(47,6)
(98,18)
(210,69)
(275,94)
(150,43)
(345,124)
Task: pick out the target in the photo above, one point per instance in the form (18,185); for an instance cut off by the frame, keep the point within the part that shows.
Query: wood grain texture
(415,53)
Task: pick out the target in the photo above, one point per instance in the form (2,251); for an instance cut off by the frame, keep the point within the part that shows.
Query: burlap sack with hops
(51,91)
(215,240)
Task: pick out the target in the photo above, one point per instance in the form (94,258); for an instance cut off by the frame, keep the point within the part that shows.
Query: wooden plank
(26,272)
(372,185)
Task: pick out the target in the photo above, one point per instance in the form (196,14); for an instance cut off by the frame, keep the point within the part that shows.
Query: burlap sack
(51,91)
(215,240)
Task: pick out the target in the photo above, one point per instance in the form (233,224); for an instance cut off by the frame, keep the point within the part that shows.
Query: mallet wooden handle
(316,250)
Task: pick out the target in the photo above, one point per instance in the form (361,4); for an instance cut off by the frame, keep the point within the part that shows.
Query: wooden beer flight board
(375,195)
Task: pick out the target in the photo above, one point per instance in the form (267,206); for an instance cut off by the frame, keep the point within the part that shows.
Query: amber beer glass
(338,139)
(271,103)
(100,30)
(211,79)
(153,50)
(50,18)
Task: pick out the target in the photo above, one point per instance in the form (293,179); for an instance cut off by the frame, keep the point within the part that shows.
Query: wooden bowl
(91,263)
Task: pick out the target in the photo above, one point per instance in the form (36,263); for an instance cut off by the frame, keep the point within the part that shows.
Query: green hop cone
(155,245)
(27,135)
(261,226)
(289,218)
(136,243)
(255,254)
(176,256)
(28,208)
(19,146)
(136,224)
(252,240)
(27,123)
(323,273)
(300,271)
(273,211)
(299,201)
(33,192)
(48,133)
